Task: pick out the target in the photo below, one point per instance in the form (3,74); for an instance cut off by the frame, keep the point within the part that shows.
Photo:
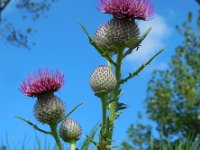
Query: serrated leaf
(131,75)
(103,53)
(121,106)
(33,125)
(114,99)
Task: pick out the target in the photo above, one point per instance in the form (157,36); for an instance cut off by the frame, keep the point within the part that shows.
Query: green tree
(29,9)
(173,96)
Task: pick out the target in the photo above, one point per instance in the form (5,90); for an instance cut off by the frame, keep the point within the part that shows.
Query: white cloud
(154,41)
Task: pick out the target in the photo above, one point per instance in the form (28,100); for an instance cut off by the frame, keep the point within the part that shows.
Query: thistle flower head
(130,9)
(42,81)
(49,109)
(116,33)
(70,130)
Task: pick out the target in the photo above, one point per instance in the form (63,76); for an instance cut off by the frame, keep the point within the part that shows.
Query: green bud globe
(49,109)
(103,80)
(116,33)
(70,130)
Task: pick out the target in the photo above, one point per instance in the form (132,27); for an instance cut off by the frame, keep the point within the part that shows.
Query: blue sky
(61,44)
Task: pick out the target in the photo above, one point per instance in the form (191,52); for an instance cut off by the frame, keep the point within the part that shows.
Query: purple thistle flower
(42,81)
(130,9)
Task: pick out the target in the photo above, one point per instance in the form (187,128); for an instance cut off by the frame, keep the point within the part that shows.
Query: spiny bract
(103,80)
(70,130)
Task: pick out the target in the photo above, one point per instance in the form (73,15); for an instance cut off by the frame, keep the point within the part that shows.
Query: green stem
(55,135)
(115,94)
(108,62)
(104,122)
(104,108)
(73,145)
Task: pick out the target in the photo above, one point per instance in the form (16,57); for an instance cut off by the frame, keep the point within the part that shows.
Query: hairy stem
(113,105)
(103,138)
(73,145)
(103,102)
(55,135)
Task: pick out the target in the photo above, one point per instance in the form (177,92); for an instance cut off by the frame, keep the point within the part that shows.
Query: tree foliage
(33,9)
(173,96)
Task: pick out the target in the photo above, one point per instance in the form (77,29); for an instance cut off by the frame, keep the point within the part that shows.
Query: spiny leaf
(121,106)
(114,99)
(103,53)
(86,32)
(131,75)
(33,125)
(137,43)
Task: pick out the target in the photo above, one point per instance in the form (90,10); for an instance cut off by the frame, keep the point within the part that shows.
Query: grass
(27,144)
(42,144)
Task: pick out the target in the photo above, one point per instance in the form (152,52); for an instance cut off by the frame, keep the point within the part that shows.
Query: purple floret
(129,9)
(42,81)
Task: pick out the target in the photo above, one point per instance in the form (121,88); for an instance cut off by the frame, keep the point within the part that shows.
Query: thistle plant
(114,41)
(49,109)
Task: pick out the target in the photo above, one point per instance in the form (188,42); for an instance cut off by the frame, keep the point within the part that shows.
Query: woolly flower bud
(116,33)
(70,130)
(129,9)
(42,81)
(49,109)
(103,80)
